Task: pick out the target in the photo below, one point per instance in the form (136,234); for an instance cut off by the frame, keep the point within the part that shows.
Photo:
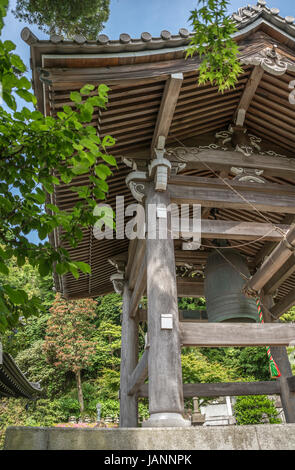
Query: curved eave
(13,383)
(110,53)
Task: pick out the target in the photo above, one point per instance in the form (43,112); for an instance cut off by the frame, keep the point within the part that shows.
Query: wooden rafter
(167,108)
(284,305)
(248,95)
(281,276)
(273,263)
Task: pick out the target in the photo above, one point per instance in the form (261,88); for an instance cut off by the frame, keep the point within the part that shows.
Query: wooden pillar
(280,356)
(129,359)
(164,363)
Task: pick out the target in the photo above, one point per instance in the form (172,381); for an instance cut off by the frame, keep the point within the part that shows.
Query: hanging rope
(273,367)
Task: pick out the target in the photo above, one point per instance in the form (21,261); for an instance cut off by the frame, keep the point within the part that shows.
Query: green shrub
(254,410)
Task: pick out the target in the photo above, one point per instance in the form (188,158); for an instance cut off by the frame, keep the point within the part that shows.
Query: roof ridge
(244,17)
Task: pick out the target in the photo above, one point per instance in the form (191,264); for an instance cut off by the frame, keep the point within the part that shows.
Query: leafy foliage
(36,154)
(254,410)
(68,343)
(69,17)
(251,362)
(212,40)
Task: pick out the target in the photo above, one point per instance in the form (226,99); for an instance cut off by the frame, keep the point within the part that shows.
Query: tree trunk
(80,392)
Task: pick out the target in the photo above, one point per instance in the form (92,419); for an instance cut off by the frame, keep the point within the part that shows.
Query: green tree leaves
(212,40)
(38,153)
(69,17)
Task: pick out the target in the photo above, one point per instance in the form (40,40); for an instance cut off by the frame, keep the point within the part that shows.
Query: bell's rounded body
(223,289)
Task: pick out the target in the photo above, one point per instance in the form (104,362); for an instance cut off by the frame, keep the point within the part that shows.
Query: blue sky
(133,17)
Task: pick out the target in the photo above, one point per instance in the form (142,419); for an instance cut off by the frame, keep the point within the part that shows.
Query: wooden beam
(165,377)
(231,389)
(135,261)
(211,192)
(280,277)
(139,375)
(291,383)
(236,334)
(289,219)
(220,160)
(280,356)
(187,287)
(202,318)
(284,304)
(248,95)
(167,107)
(139,289)
(273,263)
(237,230)
(129,359)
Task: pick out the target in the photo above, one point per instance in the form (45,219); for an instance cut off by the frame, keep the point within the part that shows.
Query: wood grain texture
(167,108)
(217,195)
(139,374)
(224,389)
(165,374)
(236,334)
(274,262)
(129,358)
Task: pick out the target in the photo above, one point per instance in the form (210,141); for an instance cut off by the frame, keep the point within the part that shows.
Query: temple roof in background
(13,382)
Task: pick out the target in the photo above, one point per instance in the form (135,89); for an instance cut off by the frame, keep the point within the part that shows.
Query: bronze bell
(223,289)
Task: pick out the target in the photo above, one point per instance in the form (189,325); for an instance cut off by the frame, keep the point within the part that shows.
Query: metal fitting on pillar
(160,167)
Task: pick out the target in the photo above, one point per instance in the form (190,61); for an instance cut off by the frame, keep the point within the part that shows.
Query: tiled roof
(243,18)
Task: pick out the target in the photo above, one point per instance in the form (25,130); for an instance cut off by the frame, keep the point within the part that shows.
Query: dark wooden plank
(190,288)
(231,389)
(236,334)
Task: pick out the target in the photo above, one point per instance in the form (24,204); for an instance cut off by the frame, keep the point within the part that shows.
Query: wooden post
(129,359)
(164,363)
(280,356)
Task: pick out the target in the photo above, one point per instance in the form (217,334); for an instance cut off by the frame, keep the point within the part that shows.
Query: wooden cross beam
(211,192)
(224,160)
(231,389)
(236,334)
(237,230)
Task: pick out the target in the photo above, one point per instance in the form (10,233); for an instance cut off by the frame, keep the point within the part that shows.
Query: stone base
(262,437)
(166,420)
